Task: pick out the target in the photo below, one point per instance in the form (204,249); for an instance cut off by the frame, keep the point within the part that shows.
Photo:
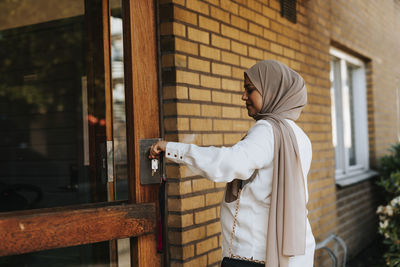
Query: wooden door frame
(142,110)
(135,218)
(42,229)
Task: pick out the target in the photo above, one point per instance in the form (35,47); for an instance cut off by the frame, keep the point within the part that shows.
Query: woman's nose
(244,96)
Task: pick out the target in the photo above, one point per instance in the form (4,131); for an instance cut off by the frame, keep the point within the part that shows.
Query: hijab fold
(284,96)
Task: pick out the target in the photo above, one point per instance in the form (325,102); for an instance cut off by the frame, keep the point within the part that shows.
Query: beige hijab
(284,96)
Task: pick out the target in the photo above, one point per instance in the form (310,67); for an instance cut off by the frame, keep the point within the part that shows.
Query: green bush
(389,215)
(390,185)
(389,227)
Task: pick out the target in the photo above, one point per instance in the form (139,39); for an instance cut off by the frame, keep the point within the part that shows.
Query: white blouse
(251,160)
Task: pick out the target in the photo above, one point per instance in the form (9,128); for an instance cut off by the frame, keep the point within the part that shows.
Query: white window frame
(344,173)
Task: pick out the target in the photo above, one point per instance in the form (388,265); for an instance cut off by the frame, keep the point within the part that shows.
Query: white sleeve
(224,164)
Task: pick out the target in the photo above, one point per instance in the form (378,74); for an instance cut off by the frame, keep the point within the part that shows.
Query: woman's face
(252,97)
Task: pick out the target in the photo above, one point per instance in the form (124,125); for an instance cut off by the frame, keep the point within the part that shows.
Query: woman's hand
(157,148)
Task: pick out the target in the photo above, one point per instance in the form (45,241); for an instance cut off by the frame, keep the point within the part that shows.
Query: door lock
(150,169)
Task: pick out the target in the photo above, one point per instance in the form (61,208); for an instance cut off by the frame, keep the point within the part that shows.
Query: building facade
(347,53)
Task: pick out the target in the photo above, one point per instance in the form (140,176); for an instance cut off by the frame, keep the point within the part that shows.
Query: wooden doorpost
(142,110)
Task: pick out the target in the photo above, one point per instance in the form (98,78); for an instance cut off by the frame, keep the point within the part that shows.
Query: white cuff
(176,151)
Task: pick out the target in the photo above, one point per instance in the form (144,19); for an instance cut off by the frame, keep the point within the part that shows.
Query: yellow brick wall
(206,45)
(368,29)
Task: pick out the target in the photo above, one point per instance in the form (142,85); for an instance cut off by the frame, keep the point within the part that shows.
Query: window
(349,118)
(288,10)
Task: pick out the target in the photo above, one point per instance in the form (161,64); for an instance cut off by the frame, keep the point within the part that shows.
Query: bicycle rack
(323,245)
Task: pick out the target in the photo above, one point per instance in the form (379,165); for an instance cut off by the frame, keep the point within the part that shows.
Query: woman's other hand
(157,148)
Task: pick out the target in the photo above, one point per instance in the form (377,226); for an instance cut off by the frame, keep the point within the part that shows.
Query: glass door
(63,126)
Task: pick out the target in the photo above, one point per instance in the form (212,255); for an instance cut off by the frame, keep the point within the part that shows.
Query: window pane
(119,119)
(118,89)
(43,62)
(349,118)
(76,256)
(350,135)
(336,112)
(44,118)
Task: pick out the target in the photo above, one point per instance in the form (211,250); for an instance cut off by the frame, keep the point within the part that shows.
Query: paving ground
(372,256)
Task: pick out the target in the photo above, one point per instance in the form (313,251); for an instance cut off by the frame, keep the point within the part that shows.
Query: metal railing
(333,253)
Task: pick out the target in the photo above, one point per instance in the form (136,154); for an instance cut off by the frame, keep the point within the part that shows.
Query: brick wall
(206,46)
(368,29)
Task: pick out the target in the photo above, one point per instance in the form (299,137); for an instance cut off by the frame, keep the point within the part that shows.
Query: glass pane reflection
(43,113)
(41,70)
(119,119)
(118,89)
(351,147)
(77,256)
(337,139)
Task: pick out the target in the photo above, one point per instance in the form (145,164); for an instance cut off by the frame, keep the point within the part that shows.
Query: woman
(268,168)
